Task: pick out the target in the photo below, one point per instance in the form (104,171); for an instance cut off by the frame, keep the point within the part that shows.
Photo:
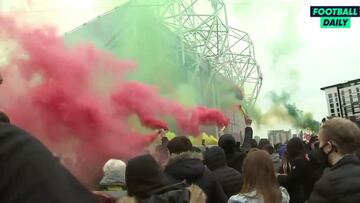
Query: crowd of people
(326,169)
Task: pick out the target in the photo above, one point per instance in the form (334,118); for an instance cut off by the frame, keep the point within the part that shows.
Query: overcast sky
(306,56)
(294,53)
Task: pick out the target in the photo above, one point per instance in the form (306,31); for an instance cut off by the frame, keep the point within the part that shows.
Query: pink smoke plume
(48,90)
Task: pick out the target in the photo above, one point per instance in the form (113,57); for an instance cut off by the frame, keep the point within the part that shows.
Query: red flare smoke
(154,123)
(63,105)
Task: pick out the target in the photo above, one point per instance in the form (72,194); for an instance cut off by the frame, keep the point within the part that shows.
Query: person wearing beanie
(187,165)
(229,178)
(147,184)
(234,158)
(143,175)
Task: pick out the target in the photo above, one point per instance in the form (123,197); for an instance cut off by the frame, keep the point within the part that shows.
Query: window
(357,89)
(330,95)
(335,94)
(332,114)
(331,105)
(337,104)
(331,101)
(338,110)
(339,114)
(342,92)
(332,111)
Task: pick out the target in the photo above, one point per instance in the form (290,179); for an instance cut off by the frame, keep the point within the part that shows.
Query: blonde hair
(344,133)
(259,175)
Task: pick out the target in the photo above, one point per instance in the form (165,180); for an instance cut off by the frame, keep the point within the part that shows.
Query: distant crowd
(325,169)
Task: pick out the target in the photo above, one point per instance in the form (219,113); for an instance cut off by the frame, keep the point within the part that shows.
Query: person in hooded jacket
(186,165)
(275,157)
(299,180)
(229,178)
(234,159)
(30,173)
(114,176)
(196,196)
(112,185)
(340,183)
(147,184)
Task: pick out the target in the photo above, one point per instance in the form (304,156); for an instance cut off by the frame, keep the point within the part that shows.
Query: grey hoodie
(114,173)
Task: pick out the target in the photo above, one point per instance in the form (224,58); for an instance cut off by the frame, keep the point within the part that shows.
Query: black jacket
(176,193)
(300,181)
(339,184)
(317,164)
(31,174)
(189,167)
(234,159)
(229,178)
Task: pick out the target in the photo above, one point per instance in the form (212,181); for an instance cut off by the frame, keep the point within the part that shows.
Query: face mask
(324,157)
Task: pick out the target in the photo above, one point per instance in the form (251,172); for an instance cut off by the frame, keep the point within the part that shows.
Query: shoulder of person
(239,198)
(284,195)
(245,198)
(324,184)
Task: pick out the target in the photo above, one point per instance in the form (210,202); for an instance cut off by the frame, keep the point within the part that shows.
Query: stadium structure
(189,40)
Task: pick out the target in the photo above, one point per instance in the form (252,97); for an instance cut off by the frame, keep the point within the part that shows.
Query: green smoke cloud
(136,31)
(283,110)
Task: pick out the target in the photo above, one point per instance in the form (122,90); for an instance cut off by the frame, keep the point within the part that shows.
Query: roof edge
(340,84)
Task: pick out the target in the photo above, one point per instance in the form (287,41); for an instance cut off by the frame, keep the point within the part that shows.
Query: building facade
(343,100)
(279,136)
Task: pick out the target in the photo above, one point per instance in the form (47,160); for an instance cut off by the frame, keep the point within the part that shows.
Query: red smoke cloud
(62,103)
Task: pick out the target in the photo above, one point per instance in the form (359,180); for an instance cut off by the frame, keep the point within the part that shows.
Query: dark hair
(196,149)
(277,146)
(263,142)
(253,143)
(4,118)
(179,144)
(238,145)
(269,148)
(295,148)
(313,139)
(227,142)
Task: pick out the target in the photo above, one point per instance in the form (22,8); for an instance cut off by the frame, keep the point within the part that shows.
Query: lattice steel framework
(203,27)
